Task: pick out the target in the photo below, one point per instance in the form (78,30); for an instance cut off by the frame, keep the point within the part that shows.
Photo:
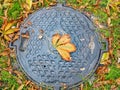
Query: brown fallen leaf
(117,81)
(1,83)
(6,52)
(20,87)
(8,62)
(64,85)
(109,22)
(114,87)
(107,10)
(19,74)
(102,70)
(40,88)
(110,41)
(97,3)
(19,81)
(25,35)
(52,3)
(81,87)
(63,45)
(29,23)
(15,38)
(79,1)
(27,82)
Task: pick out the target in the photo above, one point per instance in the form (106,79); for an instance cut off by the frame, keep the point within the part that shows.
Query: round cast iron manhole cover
(40,60)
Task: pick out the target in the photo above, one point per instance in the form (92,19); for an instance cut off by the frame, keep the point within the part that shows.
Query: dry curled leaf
(100,83)
(114,87)
(63,45)
(27,82)
(26,35)
(29,23)
(21,87)
(118,81)
(6,52)
(97,3)
(102,70)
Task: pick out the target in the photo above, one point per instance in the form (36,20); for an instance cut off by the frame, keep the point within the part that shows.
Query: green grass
(15,10)
(8,79)
(114,73)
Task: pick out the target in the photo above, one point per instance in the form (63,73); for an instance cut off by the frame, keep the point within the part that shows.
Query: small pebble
(118,60)
(82,69)
(40,36)
(82,39)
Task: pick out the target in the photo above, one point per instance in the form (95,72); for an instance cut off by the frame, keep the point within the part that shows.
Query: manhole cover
(42,63)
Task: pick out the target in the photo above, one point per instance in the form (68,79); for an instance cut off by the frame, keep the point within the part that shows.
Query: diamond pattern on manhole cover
(41,61)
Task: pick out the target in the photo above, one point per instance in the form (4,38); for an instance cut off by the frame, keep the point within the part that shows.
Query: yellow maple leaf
(63,45)
(7,29)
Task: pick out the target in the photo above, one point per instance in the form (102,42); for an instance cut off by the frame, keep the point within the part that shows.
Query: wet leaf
(63,45)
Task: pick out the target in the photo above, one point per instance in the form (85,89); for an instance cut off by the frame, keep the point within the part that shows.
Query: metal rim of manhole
(47,64)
